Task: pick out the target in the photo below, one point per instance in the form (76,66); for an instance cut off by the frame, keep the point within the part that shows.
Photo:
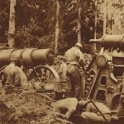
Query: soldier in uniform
(67,107)
(97,113)
(75,59)
(120,112)
(62,68)
(13,76)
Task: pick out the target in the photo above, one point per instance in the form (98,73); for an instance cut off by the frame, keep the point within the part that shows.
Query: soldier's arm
(3,78)
(89,107)
(71,107)
(69,113)
(81,58)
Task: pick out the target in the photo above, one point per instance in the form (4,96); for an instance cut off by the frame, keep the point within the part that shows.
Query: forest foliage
(35,22)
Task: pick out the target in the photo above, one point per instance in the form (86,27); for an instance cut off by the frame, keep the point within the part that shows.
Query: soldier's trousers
(75,79)
(96,119)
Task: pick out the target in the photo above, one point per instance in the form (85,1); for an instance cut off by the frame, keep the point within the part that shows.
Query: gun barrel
(116,41)
(28,57)
(95,40)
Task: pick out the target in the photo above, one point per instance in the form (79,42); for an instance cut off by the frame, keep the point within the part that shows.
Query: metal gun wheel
(44,78)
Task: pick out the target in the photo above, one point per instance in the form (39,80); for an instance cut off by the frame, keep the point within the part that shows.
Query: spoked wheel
(44,78)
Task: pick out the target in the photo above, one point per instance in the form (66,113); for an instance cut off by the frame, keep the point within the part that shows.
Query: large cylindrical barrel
(37,56)
(115,41)
(5,56)
(28,57)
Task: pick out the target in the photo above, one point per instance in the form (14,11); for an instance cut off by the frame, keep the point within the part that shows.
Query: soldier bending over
(13,76)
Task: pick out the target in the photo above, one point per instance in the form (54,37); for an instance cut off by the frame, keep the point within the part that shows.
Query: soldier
(13,76)
(98,112)
(75,59)
(66,106)
(62,69)
(120,112)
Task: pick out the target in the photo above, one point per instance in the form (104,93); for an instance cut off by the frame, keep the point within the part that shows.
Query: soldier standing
(121,104)
(62,68)
(75,59)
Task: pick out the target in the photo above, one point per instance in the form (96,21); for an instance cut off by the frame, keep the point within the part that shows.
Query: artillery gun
(36,65)
(104,73)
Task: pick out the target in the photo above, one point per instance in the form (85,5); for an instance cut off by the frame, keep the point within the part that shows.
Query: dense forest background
(35,21)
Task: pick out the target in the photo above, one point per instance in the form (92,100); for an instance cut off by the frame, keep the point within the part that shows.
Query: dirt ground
(27,108)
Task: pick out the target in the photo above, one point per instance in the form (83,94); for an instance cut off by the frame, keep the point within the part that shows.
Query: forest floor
(30,108)
(27,108)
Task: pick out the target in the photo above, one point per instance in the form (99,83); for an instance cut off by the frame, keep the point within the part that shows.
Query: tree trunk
(94,45)
(104,18)
(79,22)
(11,31)
(95,19)
(57,28)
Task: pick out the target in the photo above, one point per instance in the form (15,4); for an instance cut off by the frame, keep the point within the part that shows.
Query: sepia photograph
(61,61)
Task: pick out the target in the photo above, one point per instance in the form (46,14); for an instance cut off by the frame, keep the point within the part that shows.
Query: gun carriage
(104,73)
(36,65)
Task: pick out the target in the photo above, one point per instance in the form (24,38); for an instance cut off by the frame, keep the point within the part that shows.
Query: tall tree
(104,18)
(57,30)
(11,31)
(95,27)
(79,22)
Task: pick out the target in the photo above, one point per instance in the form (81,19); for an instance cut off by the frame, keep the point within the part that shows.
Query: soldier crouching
(14,77)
